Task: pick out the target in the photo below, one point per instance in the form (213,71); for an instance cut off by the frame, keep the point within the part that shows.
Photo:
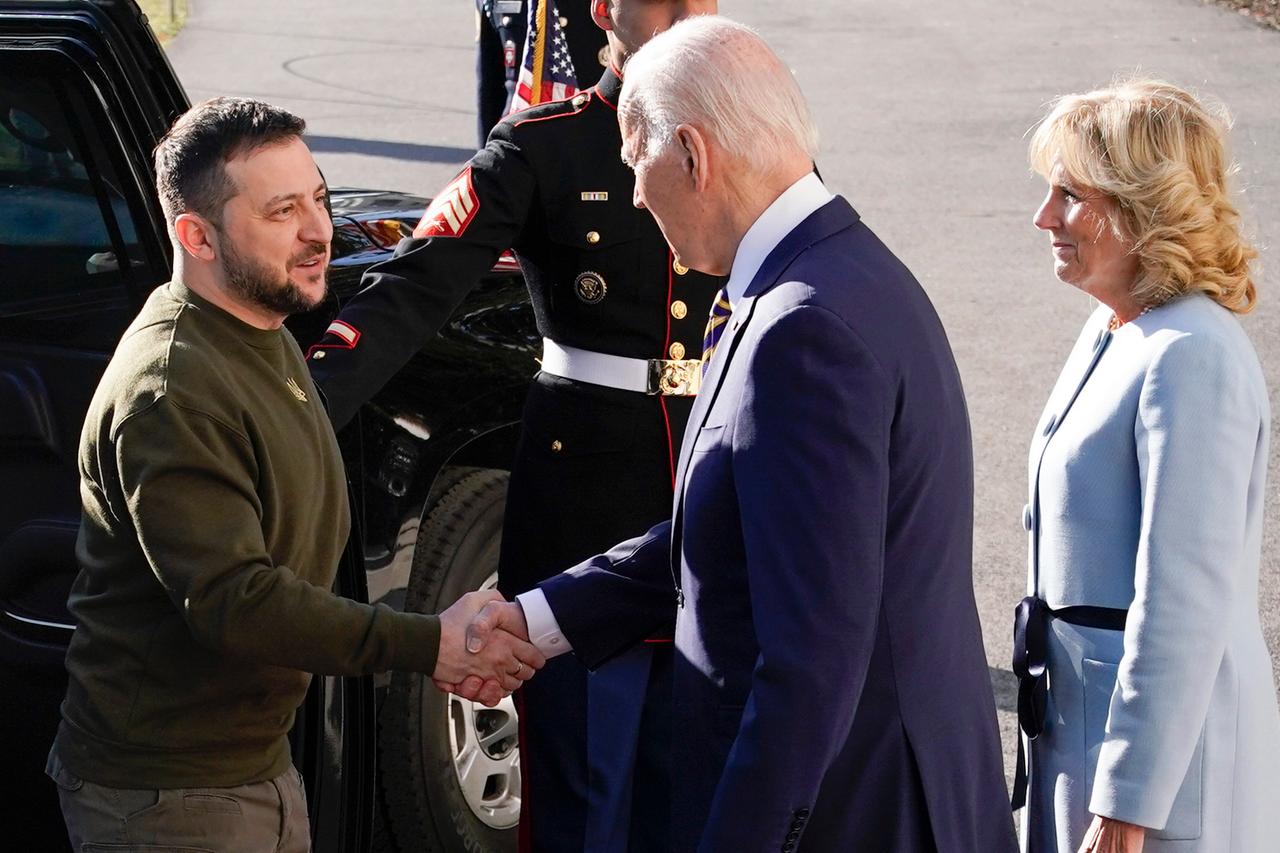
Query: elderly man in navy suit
(831,689)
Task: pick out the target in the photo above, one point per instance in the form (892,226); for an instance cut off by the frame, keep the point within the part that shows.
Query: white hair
(720,76)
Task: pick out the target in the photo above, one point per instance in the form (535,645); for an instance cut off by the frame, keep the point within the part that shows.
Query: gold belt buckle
(674,378)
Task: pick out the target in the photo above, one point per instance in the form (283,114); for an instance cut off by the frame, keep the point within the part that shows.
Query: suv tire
(430,740)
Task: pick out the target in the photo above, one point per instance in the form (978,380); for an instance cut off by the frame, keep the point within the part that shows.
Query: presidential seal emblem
(590,287)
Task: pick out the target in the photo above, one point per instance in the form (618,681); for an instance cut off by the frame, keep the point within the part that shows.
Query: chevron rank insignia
(451,211)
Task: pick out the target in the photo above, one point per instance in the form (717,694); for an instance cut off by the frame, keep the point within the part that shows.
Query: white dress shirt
(779,219)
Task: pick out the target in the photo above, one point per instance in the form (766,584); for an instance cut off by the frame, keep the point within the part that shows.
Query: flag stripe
(547,72)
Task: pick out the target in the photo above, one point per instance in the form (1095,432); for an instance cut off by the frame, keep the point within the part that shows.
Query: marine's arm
(406,299)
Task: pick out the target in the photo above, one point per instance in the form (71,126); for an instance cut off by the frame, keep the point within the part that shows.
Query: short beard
(256,283)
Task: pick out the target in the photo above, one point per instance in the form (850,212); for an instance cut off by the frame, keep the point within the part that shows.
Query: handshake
(485,651)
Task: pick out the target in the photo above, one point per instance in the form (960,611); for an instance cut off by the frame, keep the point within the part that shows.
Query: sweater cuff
(417,643)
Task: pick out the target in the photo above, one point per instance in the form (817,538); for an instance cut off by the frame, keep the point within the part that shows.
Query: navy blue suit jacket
(832,692)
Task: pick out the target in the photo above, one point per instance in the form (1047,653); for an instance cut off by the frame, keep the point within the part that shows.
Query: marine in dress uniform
(623,325)
(500,33)
(501,28)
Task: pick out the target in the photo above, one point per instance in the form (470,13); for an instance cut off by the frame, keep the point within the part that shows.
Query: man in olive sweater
(215,513)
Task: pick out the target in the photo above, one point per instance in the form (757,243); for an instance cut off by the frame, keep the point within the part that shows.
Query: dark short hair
(191,159)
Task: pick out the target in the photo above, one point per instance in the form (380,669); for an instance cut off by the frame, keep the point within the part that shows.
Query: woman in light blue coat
(1144,674)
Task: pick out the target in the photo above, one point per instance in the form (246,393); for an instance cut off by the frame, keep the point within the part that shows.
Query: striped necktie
(720,311)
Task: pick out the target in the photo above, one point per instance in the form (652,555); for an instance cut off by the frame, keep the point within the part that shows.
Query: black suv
(85,94)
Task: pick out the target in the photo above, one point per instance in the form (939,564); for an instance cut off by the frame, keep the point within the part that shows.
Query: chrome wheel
(484,747)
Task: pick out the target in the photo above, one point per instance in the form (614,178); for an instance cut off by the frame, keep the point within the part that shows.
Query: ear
(600,14)
(693,153)
(197,236)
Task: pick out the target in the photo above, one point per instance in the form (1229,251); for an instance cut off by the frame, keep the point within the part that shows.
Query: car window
(67,237)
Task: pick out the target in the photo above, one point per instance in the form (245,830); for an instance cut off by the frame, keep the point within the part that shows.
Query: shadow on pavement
(394,150)
(1005,685)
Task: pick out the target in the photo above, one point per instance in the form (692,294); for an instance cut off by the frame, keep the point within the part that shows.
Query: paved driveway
(923,109)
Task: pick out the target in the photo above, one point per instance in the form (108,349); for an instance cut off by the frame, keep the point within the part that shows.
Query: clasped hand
(484,649)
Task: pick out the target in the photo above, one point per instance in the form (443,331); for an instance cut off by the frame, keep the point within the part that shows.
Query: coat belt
(1030,660)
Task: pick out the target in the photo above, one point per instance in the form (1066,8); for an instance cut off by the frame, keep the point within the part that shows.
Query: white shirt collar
(778,220)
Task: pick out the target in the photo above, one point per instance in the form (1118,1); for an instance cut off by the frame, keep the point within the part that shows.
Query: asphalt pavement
(923,108)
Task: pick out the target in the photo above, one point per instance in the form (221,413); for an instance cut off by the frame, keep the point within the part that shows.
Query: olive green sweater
(214,515)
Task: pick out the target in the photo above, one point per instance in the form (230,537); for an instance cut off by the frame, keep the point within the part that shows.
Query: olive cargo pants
(262,817)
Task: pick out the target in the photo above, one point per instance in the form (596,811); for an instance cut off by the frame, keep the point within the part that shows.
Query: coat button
(679,310)
(1050,424)
(556,446)
(1026,517)
(506,20)
(677,351)
(564,22)
(318,354)
(680,268)
(593,237)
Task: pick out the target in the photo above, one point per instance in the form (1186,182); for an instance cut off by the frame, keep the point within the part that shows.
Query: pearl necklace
(1114,323)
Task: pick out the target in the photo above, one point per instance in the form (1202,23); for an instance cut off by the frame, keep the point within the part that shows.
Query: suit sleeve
(1197,434)
(612,601)
(406,299)
(810,464)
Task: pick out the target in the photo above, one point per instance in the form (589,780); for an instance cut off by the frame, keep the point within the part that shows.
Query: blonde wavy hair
(1161,154)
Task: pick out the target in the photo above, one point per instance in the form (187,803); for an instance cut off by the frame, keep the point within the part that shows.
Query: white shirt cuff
(544,630)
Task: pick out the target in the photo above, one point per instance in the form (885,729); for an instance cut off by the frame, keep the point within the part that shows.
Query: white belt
(668,377)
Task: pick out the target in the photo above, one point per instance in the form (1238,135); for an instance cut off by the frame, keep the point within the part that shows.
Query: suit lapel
(715,376)
(833,216)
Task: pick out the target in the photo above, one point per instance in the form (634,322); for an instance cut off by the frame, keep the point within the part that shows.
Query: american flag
(547,73)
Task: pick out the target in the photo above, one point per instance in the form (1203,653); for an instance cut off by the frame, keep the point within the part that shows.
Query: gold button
(680,268)
(679,309)
(593,236)
(317,354)
(556,446)
(677,350)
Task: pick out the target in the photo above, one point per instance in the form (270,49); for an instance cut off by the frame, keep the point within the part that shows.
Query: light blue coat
(1149,465)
